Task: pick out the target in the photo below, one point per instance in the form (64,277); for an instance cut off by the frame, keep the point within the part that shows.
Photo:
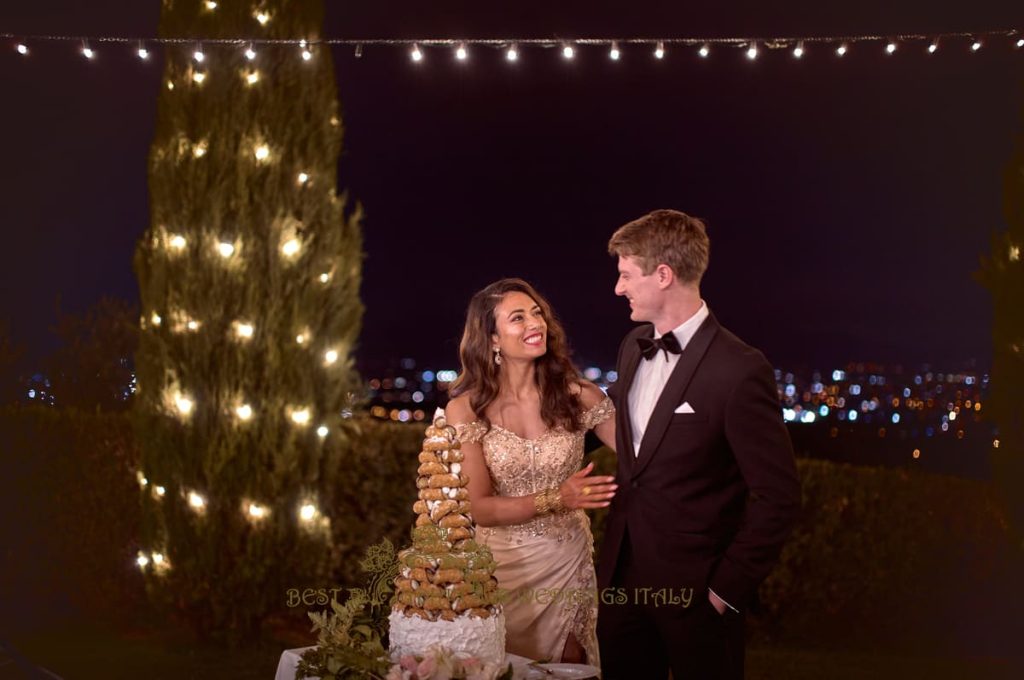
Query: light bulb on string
(170,84)
(178,242)
(196,501)
(933,47)
(142,52)
(890,48)
(257,511)
(416,55)
(244,412)
(250,53)
(322,431)
(198,55)
(568,52)
(307,512)
(22,48)
(198,77)
(330,357)
(87,52)
(211,5)
(841,50)
(798,51)
(199,150)
(614,53)
(306,54)
(358,51)
(461,53)
(659,51)
(752,51)
(325,277)
(290,248)
(512,54)
(704,51)
(262,153)
(303,177)
(263,18)
(155,319)
(142,560)
(160,491)
(300,417)
(1020,43)
(252,77)
(976,45)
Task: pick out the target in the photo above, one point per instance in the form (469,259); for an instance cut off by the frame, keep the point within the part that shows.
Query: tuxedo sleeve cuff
(723,600)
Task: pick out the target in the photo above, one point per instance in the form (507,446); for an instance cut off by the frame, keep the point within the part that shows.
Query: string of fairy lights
(569,48)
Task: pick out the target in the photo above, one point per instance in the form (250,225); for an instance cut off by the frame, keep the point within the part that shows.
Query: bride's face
(521,328)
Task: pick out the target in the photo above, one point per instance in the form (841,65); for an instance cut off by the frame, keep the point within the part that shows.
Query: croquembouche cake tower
(446,593)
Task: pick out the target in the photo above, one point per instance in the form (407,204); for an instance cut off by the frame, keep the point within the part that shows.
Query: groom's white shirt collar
(685,331)
(651,376)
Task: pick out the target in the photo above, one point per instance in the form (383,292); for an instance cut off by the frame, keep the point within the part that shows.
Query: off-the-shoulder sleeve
(598,413)
(471,433)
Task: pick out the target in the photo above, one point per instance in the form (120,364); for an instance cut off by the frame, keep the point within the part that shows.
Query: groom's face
(643,292)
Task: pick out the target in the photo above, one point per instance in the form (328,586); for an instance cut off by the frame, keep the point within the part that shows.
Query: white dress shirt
(652,374)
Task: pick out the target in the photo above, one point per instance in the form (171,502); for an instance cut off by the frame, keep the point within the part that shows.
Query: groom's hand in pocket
(717,602)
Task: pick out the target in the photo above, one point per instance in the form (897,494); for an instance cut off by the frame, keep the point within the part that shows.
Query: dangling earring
(497,356)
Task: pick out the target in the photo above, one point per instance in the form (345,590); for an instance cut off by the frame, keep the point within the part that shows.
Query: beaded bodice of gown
(520,467)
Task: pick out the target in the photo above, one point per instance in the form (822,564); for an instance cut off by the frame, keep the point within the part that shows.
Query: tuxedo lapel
(673,392)
(627,373)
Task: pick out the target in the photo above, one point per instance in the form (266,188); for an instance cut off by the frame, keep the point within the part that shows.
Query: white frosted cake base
(481,638)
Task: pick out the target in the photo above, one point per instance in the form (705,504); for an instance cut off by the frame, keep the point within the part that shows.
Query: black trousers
(643,637)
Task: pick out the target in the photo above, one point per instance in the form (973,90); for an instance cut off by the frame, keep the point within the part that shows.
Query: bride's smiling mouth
(534,339)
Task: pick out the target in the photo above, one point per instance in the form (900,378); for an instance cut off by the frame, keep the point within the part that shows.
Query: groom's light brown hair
(665,237)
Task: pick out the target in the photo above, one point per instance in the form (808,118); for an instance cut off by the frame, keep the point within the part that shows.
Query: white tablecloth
(290,661)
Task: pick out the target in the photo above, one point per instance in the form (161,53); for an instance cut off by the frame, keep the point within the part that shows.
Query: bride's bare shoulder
(459,410)
(590,394)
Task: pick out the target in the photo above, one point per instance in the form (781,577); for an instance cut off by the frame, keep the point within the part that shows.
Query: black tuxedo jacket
(713,494)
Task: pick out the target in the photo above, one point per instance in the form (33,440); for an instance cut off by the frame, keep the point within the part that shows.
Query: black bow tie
(669,343)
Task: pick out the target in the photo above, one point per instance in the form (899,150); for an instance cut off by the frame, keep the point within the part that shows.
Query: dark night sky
(848,201)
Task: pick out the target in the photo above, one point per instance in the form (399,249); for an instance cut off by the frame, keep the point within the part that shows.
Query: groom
(708,489)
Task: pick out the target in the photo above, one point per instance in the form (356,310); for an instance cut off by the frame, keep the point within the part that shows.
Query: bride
(521,411)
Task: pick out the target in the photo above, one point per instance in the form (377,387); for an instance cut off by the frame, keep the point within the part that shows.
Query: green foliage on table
(352,637)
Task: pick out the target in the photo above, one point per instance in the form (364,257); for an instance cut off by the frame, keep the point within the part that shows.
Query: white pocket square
(685,408)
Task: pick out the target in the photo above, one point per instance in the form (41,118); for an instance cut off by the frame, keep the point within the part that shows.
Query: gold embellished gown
(545,565)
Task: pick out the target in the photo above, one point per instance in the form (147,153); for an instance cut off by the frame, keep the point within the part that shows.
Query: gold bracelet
(549,500)
(541,503)
(556,499)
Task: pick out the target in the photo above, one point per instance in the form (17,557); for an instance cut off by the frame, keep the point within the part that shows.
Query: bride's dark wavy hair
(479,376)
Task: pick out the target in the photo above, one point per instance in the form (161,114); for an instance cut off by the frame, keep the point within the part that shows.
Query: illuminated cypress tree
(249,276)
(1003,274)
